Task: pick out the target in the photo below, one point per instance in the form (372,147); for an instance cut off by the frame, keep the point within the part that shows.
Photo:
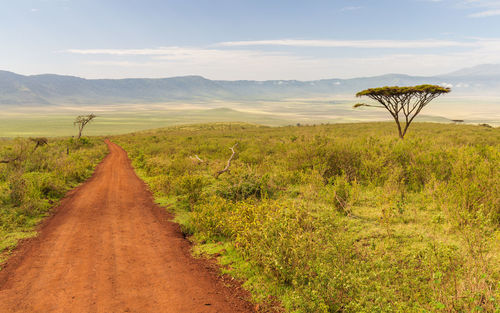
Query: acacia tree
(82,121)
(403,103)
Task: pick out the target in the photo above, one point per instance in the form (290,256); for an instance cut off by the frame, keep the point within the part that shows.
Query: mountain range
(51,89)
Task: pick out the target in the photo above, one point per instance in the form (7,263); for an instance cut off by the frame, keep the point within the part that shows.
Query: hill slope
(50,89)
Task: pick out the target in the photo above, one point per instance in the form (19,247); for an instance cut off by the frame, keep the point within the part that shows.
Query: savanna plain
(320,218)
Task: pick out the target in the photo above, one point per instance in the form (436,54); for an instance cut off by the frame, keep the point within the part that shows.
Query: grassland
(126,118)
(52,123)
(338,218)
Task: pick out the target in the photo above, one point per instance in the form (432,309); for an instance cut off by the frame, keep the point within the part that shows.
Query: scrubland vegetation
(33,178)
(336,218)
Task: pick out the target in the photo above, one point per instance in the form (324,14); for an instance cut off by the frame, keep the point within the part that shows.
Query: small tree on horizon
(81,121)
(403,103)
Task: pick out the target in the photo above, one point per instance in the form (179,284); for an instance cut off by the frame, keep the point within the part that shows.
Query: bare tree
(82,121)
(225,169)
(39,142)
(403,103)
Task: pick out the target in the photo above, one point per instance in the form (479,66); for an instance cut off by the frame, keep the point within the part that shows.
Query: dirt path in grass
(109,248)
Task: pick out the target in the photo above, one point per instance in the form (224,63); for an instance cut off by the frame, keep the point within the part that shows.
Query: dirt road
(109,248)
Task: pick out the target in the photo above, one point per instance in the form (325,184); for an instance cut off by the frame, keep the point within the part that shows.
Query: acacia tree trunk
(401,135)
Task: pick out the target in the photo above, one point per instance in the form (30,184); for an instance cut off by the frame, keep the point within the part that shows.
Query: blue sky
(252,39)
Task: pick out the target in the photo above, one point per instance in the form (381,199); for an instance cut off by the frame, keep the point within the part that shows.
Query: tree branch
(9,160)
(39,142)
(197,158)
(228,162)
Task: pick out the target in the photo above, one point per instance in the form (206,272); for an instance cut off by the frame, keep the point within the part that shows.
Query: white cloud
(156,51)
(488,8)
(394,44)
(218,49)
(212,63)
(194,56)
(487,13)
(122,63)
(226,62)
(351,8)
(482,3)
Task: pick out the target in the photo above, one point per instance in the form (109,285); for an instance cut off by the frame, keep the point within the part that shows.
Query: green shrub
(31,184)
(341,194)
(474,187)
(238,188)
(419,222)
(189,190)
(343,159)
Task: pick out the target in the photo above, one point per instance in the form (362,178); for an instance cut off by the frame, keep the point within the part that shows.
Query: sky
(251,39)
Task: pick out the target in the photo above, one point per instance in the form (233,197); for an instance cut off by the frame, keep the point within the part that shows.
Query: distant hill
(52,89)
(484,70)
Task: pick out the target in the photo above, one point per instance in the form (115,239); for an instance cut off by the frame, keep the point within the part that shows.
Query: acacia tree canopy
(403,103)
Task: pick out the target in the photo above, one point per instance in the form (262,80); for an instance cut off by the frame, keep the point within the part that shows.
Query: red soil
(109,248)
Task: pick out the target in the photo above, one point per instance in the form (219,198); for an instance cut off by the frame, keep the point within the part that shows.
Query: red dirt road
(109,248)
